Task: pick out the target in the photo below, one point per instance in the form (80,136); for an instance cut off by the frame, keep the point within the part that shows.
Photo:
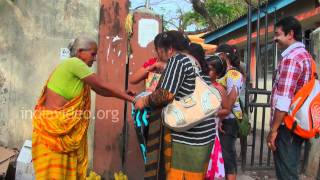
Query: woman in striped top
(190,149)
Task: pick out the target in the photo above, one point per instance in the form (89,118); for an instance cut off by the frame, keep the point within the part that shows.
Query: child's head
(217,67)
(229,53)
(197,51)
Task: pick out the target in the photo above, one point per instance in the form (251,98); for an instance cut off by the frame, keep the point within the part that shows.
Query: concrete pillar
(145,27)
(110,139)
(111,67)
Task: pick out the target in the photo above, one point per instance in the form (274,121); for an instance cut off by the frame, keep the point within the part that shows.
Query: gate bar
(259,91)
(248,62)
(266,24)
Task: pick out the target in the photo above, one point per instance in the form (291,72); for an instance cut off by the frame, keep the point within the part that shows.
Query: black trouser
(287,154)
(228,144)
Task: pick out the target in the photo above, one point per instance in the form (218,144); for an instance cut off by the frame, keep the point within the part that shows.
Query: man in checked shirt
(293,71)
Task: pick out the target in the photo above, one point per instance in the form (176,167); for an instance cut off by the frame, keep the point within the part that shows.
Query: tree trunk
(199,7)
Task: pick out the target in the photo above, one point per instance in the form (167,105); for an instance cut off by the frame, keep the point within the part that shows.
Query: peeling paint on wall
(3,94)
(2,79)
(4,105)
(116,38)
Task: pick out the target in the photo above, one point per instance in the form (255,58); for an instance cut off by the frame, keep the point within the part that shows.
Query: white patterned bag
(205,101)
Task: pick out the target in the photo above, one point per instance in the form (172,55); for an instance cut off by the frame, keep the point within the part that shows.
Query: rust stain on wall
(102,17)
(110,16)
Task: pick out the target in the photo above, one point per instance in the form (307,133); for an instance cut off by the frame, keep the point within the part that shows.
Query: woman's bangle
(146,100)
(134,100)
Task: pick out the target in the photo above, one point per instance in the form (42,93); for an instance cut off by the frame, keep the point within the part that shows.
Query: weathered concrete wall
(31,35)
(146,26)
(315,38)
(312,168)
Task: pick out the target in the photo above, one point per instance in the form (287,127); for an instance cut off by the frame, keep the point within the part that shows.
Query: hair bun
(71,44)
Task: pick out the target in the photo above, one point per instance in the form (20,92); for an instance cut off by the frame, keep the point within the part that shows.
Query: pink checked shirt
(293,71)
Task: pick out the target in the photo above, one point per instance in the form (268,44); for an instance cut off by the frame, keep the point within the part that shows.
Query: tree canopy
(205,15)
(218,13)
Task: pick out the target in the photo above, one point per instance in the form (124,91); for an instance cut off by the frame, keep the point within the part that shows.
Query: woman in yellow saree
(61,119)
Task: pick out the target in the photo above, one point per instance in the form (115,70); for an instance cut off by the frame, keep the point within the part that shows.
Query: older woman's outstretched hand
(140,103)
(131,93)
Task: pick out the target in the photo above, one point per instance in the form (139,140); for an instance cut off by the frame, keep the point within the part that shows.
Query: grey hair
(80,43)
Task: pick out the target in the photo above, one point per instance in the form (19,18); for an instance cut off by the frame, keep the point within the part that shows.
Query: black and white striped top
(179,79)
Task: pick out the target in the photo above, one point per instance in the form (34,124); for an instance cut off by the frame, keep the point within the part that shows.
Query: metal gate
(254,151)
(262,53)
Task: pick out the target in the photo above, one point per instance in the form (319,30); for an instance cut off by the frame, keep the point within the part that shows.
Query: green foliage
(193,18)
(221,12)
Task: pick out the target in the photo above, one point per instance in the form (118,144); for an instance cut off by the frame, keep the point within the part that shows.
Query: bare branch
(171,23)
(199,7)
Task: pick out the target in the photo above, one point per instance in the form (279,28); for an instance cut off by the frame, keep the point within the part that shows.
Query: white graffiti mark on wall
(116,38)
(113,41)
